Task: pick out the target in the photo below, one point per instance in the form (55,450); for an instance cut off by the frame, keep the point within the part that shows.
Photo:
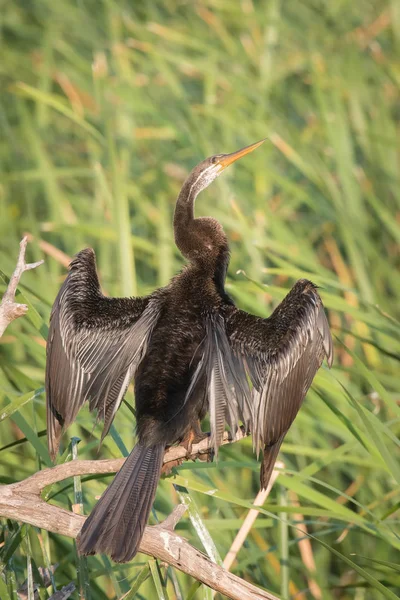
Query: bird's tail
(116,524)
(269,458)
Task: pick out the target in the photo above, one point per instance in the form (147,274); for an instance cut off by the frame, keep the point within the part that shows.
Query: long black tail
(116,524)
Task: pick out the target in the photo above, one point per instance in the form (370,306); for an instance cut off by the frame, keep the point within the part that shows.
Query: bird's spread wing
(94,347)
(282,354)
(279,356)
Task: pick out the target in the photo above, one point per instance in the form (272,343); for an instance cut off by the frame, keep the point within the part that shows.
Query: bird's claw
(167,468)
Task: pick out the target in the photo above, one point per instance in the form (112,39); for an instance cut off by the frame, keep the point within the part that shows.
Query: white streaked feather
(282,378)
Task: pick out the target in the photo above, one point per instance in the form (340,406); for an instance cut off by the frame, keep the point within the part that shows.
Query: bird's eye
(214,159)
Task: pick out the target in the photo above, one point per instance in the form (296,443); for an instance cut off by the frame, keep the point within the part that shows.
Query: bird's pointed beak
(228,159)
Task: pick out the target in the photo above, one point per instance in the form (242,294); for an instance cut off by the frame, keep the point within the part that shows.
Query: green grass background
(105,106)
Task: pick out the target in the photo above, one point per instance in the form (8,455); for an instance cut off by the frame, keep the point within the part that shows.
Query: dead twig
(9,309)
(59,256)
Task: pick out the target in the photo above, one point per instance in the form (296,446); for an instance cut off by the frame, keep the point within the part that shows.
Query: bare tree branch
(22,502)
(9,309)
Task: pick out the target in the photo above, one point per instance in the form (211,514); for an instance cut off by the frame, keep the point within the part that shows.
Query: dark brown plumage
(189,350)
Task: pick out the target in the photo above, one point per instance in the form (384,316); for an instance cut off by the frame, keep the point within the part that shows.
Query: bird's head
(203,240)
(209,169)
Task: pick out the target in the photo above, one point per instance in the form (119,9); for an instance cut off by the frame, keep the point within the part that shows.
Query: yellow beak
(228,159)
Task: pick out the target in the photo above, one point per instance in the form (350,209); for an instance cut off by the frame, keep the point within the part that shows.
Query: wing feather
(95,345)
(281,355)
(258,371)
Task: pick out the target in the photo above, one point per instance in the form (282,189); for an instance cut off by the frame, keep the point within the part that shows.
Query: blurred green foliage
(105,107)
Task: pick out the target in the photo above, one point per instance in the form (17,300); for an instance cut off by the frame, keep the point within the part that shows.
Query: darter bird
(189,350)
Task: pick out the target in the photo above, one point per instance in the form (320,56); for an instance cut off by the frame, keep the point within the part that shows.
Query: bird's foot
(167,468)
(195,436)
(199,436)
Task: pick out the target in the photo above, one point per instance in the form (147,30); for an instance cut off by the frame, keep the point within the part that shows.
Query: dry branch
(9,309)
(22,502)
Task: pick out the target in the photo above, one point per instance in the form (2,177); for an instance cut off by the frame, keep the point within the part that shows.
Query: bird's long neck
(184,209)
(201,241)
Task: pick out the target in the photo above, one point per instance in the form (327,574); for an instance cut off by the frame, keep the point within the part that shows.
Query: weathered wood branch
(22,501)
(9,309)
